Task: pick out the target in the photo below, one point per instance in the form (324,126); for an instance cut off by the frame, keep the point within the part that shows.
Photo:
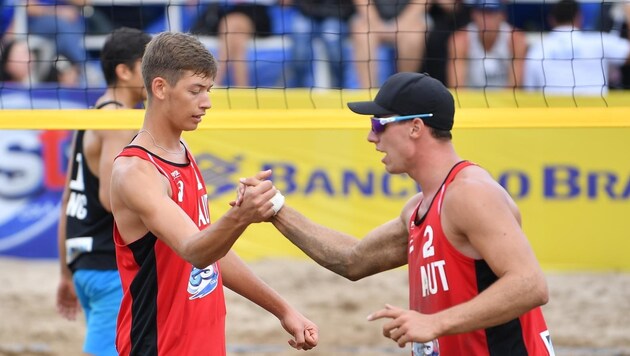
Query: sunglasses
(378,123)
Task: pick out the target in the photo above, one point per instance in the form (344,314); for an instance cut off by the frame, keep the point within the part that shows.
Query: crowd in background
(560,47)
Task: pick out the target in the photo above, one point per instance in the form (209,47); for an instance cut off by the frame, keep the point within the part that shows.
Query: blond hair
(169,54)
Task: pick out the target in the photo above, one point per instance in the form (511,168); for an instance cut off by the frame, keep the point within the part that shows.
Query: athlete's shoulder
(410,207)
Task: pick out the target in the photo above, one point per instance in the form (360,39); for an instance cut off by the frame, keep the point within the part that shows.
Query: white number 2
(427,248)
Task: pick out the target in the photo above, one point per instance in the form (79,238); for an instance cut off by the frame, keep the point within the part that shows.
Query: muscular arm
(240,279)
(483,214)
(141,201)
(482,222)
(381,249)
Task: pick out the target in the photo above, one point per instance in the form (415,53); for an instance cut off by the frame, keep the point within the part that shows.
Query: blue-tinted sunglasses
(378,123)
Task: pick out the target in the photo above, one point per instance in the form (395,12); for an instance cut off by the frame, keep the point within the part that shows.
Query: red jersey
(169,307)
(441,277)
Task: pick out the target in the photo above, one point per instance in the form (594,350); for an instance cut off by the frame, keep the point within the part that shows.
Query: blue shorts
(100,293)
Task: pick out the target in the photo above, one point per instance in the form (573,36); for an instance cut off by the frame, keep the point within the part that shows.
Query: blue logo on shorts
(203,281)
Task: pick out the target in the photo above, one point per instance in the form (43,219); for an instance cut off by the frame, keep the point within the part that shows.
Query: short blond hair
(170,54)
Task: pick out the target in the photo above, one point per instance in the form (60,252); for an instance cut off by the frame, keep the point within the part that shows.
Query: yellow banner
(571,184)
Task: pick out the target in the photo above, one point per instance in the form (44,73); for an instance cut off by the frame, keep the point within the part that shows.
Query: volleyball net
(562,157)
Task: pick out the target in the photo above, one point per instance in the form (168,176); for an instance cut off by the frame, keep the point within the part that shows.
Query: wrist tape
(277,201)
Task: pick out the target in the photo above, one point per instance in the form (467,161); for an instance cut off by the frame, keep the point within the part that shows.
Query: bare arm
(239,278)
(67,302)
(141,201)
(485,215)
(457,69)
(479,213)
(381,249)
(113,141)
(519,51)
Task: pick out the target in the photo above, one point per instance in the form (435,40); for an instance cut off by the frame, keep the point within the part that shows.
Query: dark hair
(565,11)
(439,134)
(123,46)
(170,54)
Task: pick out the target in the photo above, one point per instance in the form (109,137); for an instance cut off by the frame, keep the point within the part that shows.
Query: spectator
(19,63)
(15,62)
(7,9)
(447,16)
(64,72)
(569,61)
(401,23)
(235,22)
(489,52)
(620,14)
(328,21)
(63,22)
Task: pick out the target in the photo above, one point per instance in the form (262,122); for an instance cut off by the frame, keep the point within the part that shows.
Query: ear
(417,128)
(159,87)
(123,73)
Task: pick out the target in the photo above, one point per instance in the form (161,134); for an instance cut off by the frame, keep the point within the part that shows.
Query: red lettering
(54,158)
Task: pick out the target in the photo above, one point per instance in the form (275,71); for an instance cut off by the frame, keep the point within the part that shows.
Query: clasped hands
(262,194)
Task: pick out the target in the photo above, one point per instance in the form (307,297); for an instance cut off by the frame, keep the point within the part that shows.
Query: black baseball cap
(408,93)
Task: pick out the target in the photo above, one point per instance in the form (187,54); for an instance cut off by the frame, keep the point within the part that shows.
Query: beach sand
(588,313)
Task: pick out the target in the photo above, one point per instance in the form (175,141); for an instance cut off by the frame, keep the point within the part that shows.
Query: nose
(372,137)
(206,103)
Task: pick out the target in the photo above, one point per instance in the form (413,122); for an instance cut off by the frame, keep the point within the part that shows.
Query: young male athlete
(86,246)
(173,263)
(475,285)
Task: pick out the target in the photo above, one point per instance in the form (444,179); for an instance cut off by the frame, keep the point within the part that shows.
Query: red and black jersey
(441,277)
(170,307)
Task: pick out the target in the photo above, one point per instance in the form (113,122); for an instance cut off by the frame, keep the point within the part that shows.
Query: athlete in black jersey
(86,249)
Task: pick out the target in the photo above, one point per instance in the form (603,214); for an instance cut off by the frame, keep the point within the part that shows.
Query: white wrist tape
(277,201)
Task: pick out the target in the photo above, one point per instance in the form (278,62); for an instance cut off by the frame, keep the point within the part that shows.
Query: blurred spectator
(568,60)
(488,53)
(15,62)
(103,19)
(401,23)
(326,20)
(7,9)
(235,22)
(447,16)
(64,72)
(63,22)
(620,14)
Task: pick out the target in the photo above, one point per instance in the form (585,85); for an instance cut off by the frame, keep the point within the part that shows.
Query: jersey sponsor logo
(431,348)
(203,281)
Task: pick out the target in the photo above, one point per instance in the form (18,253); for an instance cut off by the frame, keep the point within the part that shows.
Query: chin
(392,170)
